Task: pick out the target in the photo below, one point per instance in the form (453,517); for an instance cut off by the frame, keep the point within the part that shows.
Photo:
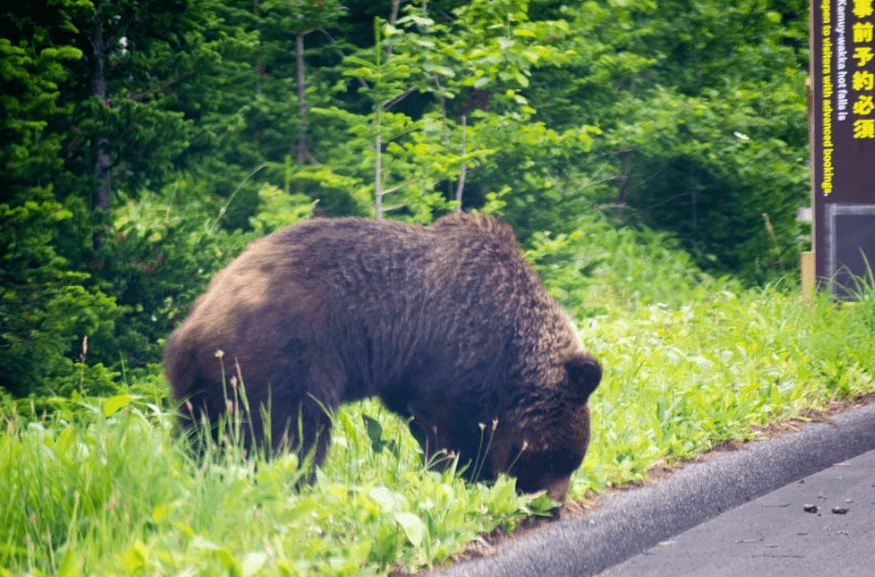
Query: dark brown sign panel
(843,139)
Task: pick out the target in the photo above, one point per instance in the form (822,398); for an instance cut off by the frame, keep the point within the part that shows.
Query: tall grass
(680,380)
(120,495)
(107,487)
(690,360)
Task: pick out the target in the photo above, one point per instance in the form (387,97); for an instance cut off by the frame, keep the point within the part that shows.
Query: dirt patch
(489,544)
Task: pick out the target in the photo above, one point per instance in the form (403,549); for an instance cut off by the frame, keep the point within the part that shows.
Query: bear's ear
(584,375)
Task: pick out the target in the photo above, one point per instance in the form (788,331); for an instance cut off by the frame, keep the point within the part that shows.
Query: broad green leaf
(68,567)
(134,559)
(413,527)
(112,405)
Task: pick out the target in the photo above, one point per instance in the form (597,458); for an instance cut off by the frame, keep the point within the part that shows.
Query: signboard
(843,140)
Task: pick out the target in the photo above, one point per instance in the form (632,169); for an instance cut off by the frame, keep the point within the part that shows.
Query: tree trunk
(624,183)
(464,169)
(378,194)
(102,195)
(301,153)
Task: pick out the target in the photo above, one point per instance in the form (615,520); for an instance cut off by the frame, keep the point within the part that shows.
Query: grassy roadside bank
(102,486)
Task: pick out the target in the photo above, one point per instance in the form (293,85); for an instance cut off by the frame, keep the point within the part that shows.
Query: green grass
(105,487)
(680,380)
(117,494)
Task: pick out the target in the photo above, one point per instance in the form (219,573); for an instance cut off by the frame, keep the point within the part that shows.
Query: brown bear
(448,325)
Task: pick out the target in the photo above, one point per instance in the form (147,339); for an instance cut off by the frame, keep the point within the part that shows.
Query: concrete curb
(632,522)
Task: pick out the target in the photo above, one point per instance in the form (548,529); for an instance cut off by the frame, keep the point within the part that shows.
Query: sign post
(842,137)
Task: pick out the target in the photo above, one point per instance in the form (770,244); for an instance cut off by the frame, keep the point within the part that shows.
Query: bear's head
(544,440)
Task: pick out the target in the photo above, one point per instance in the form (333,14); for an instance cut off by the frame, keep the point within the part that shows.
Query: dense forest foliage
(145,143)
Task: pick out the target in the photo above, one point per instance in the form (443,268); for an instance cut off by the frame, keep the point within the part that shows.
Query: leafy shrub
(48,304)
(166,249)
(78,324)
(600,263)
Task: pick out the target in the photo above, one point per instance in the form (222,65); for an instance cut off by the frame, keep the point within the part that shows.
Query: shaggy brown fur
(449,325)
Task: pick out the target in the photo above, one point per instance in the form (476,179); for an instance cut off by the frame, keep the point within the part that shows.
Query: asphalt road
(821,525)
(740,514)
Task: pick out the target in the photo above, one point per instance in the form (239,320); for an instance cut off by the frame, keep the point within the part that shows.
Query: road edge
(632,522)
